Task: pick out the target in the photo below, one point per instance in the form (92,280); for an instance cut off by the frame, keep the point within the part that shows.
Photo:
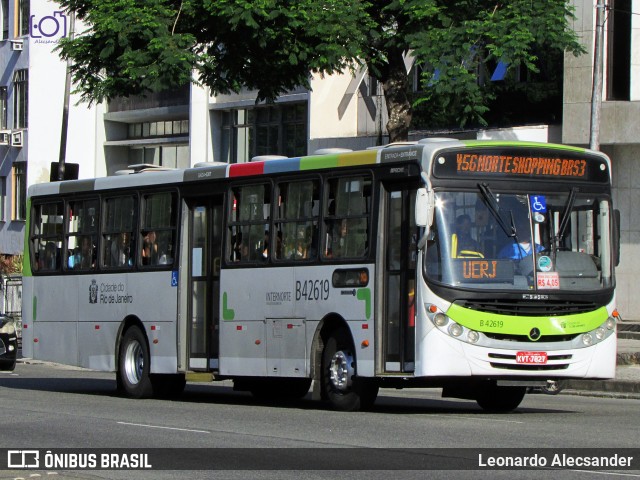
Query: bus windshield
(531,241)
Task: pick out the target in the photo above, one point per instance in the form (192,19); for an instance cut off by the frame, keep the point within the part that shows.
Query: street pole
(596,92)
(65,106)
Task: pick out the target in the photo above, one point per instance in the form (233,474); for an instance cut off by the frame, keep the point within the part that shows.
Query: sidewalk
(627,381)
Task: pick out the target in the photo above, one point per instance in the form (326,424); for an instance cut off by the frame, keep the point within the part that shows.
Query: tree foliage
(133,47)
(271,46)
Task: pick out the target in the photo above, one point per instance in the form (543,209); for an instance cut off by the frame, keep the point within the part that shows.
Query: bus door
(398,254)
(205,249)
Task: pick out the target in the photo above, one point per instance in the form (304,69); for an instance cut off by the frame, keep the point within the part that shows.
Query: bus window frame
(366,174)
(133,241)
(68,200)
(36,211)
(229,224)
(276,220)
(143,194)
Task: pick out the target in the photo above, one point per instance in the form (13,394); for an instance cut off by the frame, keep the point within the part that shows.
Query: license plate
(531,358)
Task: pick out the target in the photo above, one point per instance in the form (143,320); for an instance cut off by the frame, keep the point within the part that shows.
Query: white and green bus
(482,268)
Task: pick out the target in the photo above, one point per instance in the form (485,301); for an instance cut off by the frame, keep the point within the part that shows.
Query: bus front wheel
(133,371)
(493,398)
(342,388)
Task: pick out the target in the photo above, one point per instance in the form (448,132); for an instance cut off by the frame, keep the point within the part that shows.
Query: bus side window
(118,239)
(158,229)
(346,218)
(248,224)
(47,239)
(297,220)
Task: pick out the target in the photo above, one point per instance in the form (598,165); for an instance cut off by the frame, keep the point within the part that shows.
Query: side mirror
(424,208)
(424,212)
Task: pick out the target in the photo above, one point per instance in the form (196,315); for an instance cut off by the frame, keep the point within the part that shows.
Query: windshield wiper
(566,214)
(492,203)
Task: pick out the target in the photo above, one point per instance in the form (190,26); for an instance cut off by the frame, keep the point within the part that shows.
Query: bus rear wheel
(493,398)
(133,371)
(341,387)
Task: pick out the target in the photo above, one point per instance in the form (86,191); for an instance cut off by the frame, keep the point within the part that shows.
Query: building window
(272,130)
(4,16)
(169,128)
(20,95)
(619,51)
(169,156)
(3,198)
(20,190)
(3,108)
(23,18)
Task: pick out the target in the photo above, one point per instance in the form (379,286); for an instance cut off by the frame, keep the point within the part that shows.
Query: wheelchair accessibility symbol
(538,204)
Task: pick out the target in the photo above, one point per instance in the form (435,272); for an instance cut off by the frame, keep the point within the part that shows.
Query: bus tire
(497,399)
(342,388)
(134,364)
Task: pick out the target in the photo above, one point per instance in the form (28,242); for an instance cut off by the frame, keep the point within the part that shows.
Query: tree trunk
(395,84)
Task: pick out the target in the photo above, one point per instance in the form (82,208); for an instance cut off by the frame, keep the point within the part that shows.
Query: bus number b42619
(312,290)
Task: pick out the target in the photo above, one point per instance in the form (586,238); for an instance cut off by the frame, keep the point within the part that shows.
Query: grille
(524,338)
(520,308)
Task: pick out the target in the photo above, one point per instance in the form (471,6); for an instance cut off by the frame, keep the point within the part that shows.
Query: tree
(135,47)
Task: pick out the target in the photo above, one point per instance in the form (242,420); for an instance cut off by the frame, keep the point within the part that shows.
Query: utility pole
(65,106)
(598,67)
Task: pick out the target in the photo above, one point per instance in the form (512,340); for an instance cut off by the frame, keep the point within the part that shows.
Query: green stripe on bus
(318,161)
(522,325)
(505,143)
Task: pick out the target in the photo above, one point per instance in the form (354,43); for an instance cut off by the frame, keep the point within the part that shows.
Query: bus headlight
(455,330)
(440,319)
(611,323)
(473,336)
(587,339)
(600,332)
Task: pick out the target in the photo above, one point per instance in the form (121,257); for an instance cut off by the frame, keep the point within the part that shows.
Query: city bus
(483,268)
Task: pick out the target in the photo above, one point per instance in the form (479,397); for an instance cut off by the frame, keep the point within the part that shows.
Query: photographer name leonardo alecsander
(558,460)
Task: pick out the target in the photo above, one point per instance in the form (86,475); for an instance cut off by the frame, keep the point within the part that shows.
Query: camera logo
(48,26)
(23,459)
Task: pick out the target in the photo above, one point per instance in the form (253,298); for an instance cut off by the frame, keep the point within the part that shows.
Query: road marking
(165,428)
(476,418)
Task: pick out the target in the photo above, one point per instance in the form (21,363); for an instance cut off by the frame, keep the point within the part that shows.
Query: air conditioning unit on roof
(17,45)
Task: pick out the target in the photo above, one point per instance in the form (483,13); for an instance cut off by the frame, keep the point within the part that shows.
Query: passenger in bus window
(83,256)
(150,249)
(121,250)
(50,257)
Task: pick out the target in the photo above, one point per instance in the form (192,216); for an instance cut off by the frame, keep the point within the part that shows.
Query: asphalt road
(54,407)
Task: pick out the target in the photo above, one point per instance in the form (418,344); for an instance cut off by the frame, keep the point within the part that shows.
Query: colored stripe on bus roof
(295,164)
(282,165)
(506,143)
(245,169)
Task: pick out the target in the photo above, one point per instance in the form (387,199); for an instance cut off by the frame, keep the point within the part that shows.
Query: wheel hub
(341,371)
(134,363)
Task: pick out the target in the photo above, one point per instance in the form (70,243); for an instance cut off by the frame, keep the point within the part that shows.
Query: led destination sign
(526,164)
